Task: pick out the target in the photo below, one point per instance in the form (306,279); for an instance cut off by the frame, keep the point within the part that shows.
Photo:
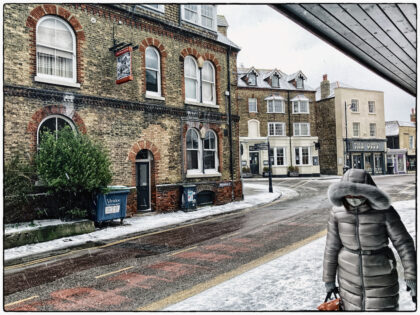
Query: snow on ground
(26,226)
(258,195)
(291,282)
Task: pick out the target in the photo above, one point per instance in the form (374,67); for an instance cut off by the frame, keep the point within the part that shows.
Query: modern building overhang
(382,36)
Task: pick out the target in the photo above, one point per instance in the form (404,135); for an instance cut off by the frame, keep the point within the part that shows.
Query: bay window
(300,104)
(275,104)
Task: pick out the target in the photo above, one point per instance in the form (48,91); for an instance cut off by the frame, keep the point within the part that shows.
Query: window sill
(300,113)
(201,175)
(56,82)
(154,97)
(372,113)
(201,104)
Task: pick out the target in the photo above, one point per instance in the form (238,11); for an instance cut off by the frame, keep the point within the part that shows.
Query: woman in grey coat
(356,251)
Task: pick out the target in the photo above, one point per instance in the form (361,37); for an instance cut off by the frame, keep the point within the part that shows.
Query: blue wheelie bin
(112,205)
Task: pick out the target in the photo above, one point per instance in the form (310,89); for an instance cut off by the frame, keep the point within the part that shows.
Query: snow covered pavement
(258,195)
(289,283)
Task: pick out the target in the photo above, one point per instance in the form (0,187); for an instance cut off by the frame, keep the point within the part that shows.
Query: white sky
(269,40)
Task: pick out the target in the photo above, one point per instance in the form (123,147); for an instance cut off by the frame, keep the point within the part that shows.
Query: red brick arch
(155,164)
(46,111)
(52,9)
(163,54)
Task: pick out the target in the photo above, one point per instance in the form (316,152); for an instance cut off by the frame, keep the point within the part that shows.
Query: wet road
(153,270)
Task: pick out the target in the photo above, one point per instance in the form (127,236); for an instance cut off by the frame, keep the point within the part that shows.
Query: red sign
(124,72)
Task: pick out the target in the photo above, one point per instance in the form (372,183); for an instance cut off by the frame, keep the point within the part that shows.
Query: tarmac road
(153,270)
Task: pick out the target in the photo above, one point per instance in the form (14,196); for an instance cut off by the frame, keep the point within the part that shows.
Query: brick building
(167,125)
(279,108)
(351,128)
(401,145)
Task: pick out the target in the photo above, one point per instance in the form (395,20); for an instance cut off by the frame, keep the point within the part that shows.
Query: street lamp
(270,180)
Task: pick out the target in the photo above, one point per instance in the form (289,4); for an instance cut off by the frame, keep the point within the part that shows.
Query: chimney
(413,115)
(222,25)
(325,87)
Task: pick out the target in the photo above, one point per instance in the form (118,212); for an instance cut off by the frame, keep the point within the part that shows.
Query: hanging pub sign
(124,72)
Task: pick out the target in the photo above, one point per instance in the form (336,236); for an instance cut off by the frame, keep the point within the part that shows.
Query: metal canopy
(382,37)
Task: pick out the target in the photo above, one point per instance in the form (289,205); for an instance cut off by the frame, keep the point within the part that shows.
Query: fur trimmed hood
(357,182)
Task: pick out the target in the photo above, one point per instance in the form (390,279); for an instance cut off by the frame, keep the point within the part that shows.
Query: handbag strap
(335,291)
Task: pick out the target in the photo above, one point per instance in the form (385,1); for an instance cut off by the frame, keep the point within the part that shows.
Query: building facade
(278,108)
(151,83)
(351,128)
(401,146)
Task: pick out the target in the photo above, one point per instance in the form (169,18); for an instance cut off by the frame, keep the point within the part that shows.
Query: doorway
(254,162)
(143,161)
(357,161)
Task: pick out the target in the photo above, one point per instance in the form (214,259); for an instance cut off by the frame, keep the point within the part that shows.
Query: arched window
(192,92)
(253,128)
(210,151)
(209,90)
(53,124)
(152,71)
(193,150)
(55,50)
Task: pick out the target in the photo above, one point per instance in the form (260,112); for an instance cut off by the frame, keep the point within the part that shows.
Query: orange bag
(333,305)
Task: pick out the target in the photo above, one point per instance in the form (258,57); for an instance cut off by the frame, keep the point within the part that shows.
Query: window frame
(54,79)
(373,105)
(278,81)
(370,130)
(275,156)
(160,8)
(272,99)
(197,79)
(301,155)
(56,116)
(159,92)
(255,76)
(199,21)
(300,79)
(411,142)
(213,84)
(299,111)
(357,106)
(199,152)
(358,129)
(274,129)
(299,124)
(215,150)
(256,105)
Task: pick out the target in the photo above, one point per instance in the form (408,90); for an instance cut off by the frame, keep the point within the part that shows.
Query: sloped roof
(263,84)
(392,128)
(333,86)
(223,39)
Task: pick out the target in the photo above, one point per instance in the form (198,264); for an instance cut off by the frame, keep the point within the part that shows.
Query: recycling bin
(112,205)
(189,197)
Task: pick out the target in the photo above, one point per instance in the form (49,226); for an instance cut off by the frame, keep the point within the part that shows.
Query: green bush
(19,180)
(72,167)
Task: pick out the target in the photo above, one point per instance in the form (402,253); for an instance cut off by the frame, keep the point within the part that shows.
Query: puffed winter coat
(357,251)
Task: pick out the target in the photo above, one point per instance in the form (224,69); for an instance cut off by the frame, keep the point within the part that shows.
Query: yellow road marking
(182,295)
(181,251)
(229,235)
(113,272)
(33,262)
(20,301)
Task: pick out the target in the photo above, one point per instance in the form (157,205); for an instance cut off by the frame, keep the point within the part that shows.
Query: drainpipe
(230,120)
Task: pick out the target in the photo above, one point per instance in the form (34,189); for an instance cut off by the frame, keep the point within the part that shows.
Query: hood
(358,183)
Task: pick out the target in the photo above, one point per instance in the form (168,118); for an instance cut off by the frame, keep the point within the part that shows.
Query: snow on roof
(300,97)
(224,40)
(333,86)
(392,128)
(263,74)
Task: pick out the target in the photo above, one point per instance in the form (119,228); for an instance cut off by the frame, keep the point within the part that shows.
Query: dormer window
(275,81)
(252,79)
(299,82)
(202,15)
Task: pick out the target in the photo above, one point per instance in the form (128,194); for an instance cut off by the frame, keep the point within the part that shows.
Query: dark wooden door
(143,186)
(254,162)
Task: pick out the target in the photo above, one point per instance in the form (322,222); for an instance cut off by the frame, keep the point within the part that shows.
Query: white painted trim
(188,102)
(201,175)
(154,96)
(56,81)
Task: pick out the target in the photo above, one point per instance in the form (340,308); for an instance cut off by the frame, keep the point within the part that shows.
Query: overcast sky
(269,40)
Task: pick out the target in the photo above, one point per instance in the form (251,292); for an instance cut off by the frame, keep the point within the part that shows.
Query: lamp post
(270,180)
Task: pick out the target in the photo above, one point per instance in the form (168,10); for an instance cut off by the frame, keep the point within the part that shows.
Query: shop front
(396,160)
(367,154)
